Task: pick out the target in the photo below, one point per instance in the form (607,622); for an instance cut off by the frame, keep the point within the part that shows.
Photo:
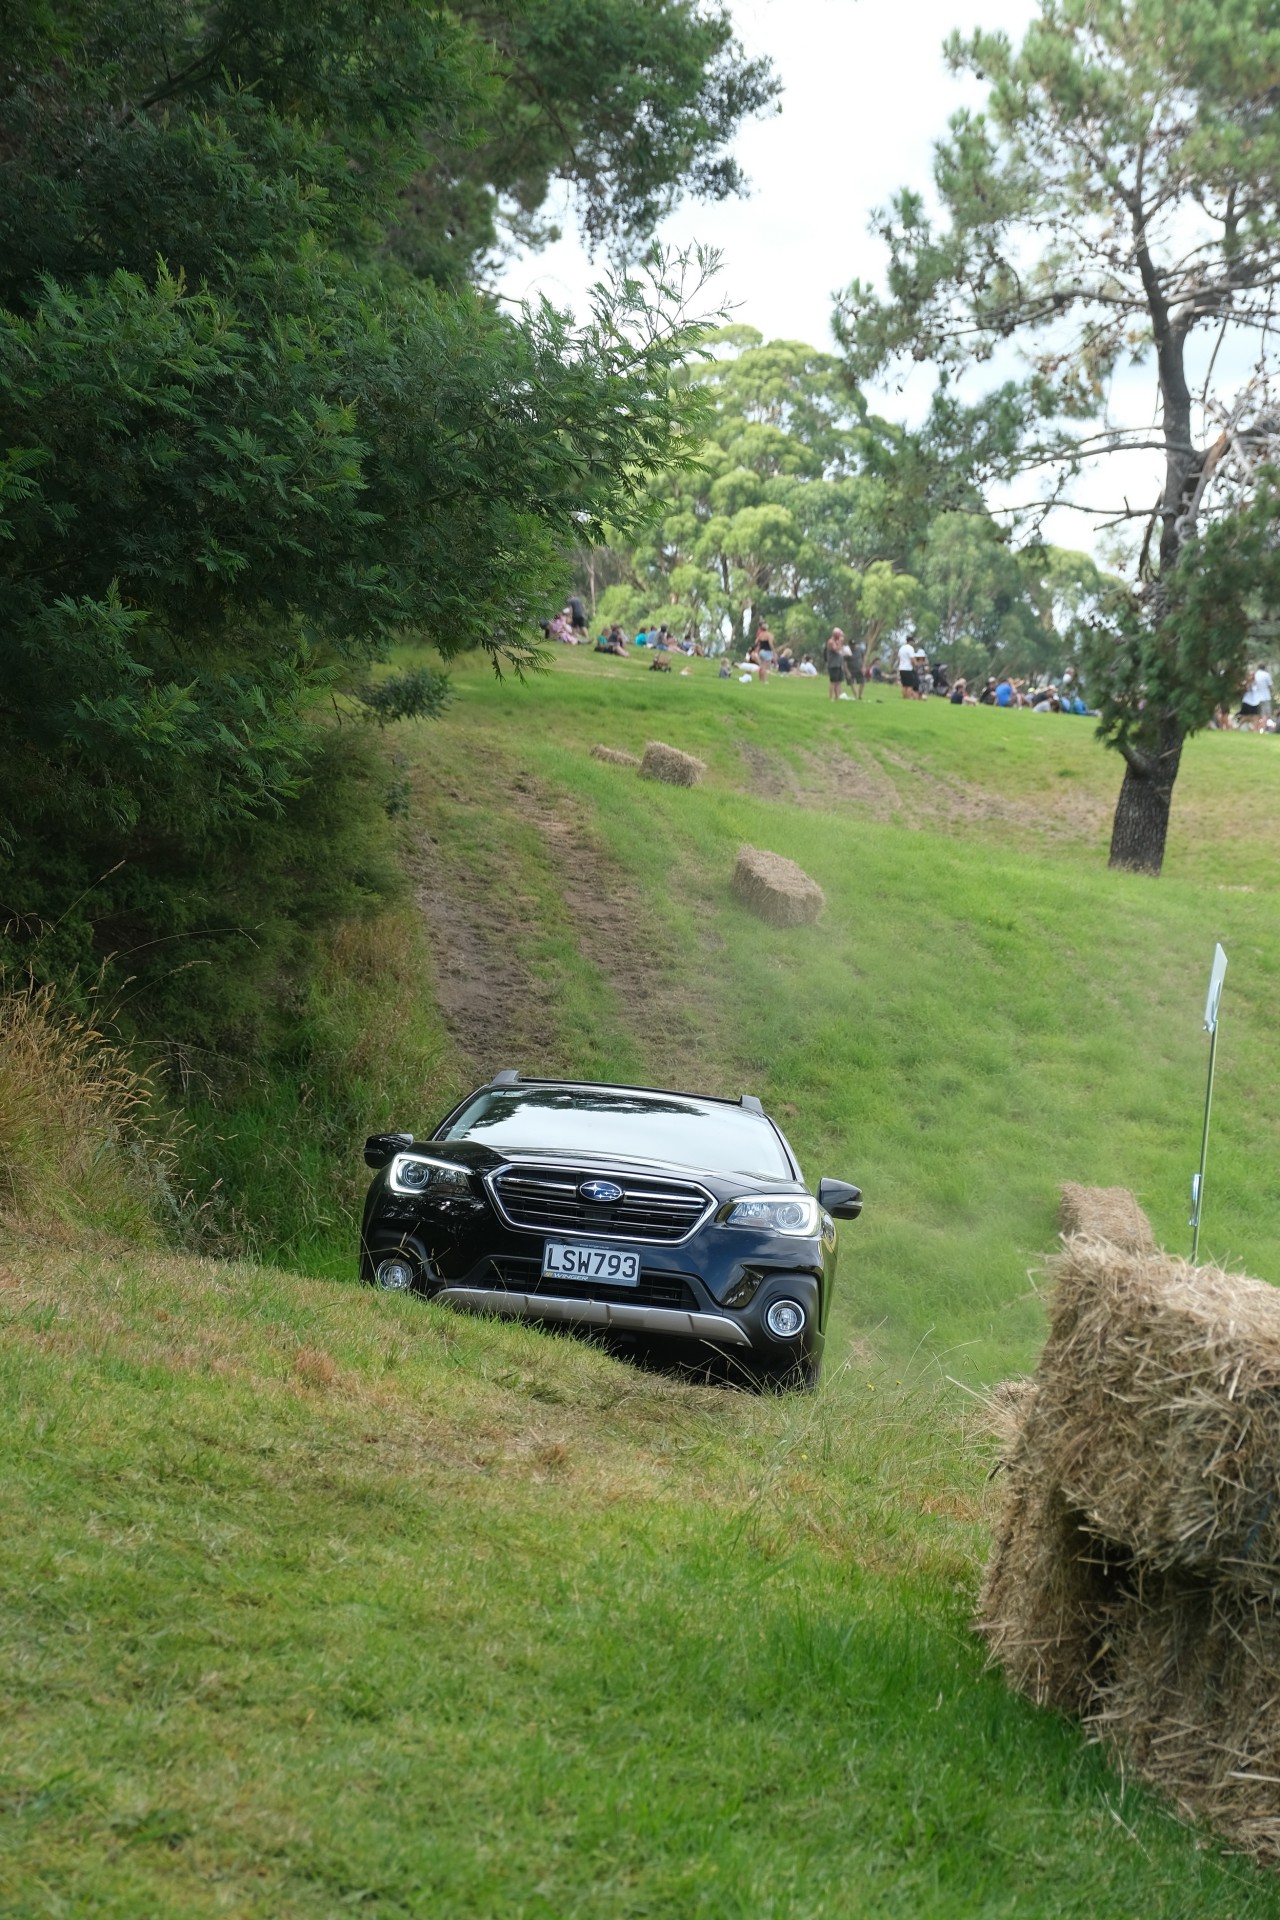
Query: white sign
(1216,979)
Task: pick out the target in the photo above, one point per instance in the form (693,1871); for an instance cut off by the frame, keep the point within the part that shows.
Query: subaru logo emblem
(603,1192)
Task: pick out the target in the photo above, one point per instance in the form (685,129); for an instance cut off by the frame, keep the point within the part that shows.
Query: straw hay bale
(668,764)
(1135,1573)
(1158,1410)
(776,888)
(1105,1213)
(1190,1700)
(615,756)
(1048,1596)
(1000,1414)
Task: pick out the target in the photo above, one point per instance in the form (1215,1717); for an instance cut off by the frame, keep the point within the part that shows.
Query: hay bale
(776,888)
(1048,1596)
(1135,1573)
(1190,1698)
(668,764)
(1105,1213)
(615,756)
(1158,1410)
(1001,1413)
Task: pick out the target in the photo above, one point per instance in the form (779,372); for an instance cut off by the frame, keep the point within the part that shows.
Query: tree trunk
(1141,822)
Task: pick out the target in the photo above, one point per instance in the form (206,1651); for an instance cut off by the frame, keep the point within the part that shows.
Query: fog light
(396,1274)
(785,1318)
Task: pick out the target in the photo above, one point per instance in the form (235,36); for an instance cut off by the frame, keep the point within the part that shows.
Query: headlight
(415,1173)
(796,1213)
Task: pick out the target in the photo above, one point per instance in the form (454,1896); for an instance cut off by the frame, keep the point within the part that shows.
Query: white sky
(866,93)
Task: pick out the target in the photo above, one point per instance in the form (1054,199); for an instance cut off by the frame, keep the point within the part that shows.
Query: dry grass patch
(78,1147)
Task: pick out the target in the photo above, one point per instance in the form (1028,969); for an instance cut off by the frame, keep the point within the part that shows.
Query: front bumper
(466,1258)
(618,1315)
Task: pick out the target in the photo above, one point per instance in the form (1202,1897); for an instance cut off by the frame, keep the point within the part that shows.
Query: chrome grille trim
(537,1200)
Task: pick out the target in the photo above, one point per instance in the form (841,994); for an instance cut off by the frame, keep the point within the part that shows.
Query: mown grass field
(315,1602)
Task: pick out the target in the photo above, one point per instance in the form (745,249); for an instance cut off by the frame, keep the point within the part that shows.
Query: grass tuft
(80,1147)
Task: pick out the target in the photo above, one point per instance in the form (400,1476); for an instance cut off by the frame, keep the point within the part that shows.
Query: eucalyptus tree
(1115,207)
(777,513)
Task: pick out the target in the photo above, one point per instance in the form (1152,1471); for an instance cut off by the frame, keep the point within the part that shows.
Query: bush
(207,943)
(421,693)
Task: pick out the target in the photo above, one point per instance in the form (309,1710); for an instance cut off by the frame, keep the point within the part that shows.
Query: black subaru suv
(648,1214)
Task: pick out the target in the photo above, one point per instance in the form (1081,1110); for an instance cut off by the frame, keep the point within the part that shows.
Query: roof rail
(506,1077)
(750,1102)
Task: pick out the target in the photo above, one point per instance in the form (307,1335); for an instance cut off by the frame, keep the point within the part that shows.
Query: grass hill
(315,1601)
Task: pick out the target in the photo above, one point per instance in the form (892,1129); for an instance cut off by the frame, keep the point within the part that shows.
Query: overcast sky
(866,93)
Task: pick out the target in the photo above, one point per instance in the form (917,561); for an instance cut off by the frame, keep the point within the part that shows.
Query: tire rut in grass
(488,999)
(497,1008)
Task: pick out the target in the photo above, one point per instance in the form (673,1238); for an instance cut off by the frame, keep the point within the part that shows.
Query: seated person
(726,669)
(807,668)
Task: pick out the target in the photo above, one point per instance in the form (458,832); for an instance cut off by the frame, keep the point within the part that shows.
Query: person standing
(835,666)
(1256,701)
(908,678)
(856,667)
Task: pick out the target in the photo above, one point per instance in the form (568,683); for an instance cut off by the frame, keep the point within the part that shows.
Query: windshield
(618,1125)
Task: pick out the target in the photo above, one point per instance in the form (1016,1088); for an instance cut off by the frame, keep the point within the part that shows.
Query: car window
(695,1133)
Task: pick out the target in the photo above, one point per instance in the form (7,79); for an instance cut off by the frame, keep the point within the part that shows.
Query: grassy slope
(984,1011)
(316,1601)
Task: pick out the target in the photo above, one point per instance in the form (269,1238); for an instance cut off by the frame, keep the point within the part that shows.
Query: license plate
(615,1266)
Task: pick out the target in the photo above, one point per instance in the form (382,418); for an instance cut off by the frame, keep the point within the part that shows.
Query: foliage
(420,693)
(1185,653)
(628,105)
(1115,206)
(805,510)
(244,450)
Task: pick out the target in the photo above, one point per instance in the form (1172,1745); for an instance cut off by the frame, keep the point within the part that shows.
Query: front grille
(525,1276)
(547,1201)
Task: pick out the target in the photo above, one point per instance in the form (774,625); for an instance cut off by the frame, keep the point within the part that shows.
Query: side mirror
(381,1148)
(840,1200)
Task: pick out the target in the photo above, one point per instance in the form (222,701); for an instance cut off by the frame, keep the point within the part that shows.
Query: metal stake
(1216,978)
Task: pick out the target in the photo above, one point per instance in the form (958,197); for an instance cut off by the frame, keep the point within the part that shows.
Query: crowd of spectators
(848,670)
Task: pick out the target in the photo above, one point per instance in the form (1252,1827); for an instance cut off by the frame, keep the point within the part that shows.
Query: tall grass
(273,1146)
(81,1146)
